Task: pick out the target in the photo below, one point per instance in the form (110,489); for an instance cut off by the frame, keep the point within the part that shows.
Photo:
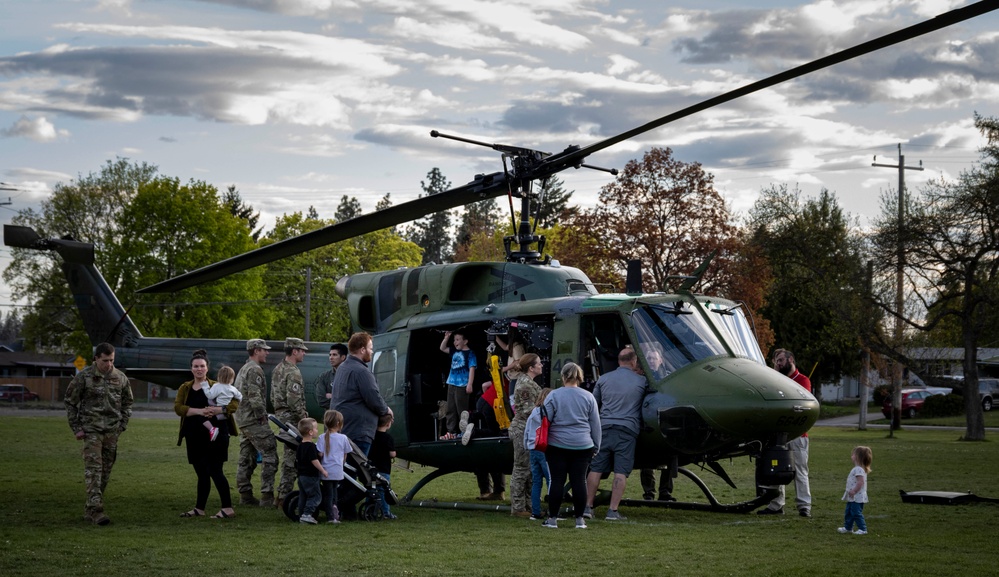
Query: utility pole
(896,383)
(308,301)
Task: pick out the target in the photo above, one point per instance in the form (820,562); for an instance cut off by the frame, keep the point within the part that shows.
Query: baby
(219,395)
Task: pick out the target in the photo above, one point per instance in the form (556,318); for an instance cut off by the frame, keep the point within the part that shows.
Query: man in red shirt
(784,363)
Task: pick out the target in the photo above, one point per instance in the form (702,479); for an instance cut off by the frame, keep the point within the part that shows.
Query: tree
(433,233)
(169,229)
(348,208)
(239,209)
(812,256)
(478,219)
(10,328)
(553,202)
(329,318)
(87,210)
(667,214)
(951,242)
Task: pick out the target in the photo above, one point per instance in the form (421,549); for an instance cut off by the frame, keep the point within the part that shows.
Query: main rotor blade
(483,187)
(573,156)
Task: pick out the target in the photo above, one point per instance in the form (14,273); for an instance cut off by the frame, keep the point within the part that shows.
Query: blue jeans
(309,494)
(539,472)
(381,495)
(854,514)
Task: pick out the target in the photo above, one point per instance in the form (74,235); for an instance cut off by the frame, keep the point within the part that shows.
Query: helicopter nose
(733,398)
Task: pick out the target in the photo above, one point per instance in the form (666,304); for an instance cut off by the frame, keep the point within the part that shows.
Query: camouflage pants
(289,472)
(99,452)
(520,480)
(254,438)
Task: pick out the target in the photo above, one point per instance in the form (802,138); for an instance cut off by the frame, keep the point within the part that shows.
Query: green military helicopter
(712,398)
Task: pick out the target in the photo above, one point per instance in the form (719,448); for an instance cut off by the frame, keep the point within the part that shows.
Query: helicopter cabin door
(388,365)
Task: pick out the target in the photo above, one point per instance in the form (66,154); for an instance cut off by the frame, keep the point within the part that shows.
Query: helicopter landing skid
(713,505)
(407,501)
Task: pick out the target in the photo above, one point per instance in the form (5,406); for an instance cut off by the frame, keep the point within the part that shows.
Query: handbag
(541,436)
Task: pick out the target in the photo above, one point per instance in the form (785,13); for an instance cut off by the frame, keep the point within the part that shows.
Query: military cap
(293,343)
(256,344)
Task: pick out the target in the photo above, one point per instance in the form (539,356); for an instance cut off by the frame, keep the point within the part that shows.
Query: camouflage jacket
(525,394)
(252,384)
(288,393)
(97,403)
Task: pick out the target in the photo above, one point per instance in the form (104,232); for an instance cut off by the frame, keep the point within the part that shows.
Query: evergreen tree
(553,202)
(348,208)
(479,218)
(239,209)
(432,233)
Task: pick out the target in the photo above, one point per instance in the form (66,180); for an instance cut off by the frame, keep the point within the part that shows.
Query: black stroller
(357,497)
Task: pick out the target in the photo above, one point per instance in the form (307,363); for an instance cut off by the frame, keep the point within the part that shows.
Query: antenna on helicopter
(521,173)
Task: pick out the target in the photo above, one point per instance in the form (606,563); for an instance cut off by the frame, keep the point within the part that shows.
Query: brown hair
(541,398)
(527,361)
(306,425)
(226,375)
(358,342)
(333,421)
(864,457)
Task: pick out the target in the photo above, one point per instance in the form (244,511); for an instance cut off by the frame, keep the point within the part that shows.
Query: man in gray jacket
(619,394)
(355,393)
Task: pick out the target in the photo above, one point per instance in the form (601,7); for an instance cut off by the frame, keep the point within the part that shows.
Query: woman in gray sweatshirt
(573,439)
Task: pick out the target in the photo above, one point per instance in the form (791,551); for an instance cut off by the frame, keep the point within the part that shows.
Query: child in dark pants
(333,448)
(381,455)
(309,471)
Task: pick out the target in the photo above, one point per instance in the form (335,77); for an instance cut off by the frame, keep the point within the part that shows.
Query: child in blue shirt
(333,448)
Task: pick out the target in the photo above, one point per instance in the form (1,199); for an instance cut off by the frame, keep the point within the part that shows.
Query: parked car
(16,393)
(988,390)
(912,402)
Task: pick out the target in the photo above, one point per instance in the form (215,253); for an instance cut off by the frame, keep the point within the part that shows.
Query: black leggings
(207,472)
(563,462)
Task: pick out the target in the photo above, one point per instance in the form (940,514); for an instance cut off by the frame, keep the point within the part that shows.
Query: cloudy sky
(299,102)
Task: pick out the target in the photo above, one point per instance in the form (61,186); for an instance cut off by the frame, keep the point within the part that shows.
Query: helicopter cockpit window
(732,323)
(678,338)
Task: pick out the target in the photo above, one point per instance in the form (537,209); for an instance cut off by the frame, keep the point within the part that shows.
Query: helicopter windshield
(675,335)
(732,323)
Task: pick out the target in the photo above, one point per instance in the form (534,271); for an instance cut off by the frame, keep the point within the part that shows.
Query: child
(459,380)
(333,448)
(539,464)
(219,395)
(856,491)
(309,470)
(381,455)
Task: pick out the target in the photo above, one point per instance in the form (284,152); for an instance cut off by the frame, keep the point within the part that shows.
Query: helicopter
(712,399)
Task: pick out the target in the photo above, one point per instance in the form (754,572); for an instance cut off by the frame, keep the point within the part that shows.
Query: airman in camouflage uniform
(288,398)
(255,432)
(98,406)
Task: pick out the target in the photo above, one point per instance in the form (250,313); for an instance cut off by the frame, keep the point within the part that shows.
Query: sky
(300,102)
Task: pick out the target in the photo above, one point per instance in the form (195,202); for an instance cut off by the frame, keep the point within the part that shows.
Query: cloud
(38,129)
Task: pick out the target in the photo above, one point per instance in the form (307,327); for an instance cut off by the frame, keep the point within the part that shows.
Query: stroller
(357,496)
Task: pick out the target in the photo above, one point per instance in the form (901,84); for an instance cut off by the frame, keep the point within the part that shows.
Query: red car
(16,393)
(912,402)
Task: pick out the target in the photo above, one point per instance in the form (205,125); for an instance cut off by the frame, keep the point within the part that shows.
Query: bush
(881,392)
(942,406)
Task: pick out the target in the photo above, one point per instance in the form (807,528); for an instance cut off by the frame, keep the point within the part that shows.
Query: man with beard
(355,393)
(784,363)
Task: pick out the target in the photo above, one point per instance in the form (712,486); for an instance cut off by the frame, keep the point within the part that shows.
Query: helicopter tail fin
(104,318)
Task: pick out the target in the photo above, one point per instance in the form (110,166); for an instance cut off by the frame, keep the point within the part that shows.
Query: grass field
(42,532)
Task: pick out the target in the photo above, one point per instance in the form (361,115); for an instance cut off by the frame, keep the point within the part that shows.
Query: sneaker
(467,435)
(805,513)
(613,515)
(769,511)
(389,516)
(580,523)
(213,433)
(333,522)
(860,532)
(463,421)
(535,517)
(843,530)
(550,523)
(307,519)
(588,513)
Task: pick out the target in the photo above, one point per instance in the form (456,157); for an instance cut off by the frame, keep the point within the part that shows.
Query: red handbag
(541,436)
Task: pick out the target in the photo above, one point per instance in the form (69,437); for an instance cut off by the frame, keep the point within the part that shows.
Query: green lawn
(41,531)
